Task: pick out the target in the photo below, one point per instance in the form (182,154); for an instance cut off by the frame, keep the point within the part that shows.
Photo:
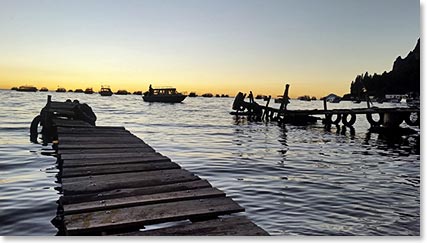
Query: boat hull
(103,93)
(164,98)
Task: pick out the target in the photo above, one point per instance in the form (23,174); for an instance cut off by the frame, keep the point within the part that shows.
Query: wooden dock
(113,183)
(388,117)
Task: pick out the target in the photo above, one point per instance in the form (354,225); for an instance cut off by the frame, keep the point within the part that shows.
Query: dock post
(325,105)
(285,98)
(266,109)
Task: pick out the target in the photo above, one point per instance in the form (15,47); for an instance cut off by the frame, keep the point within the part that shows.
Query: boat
(88,91)
(166,95)
(121,92)
(78,91)
(44,89)
(105,91)
(192,94)
(14,88)
(61,90)
(27,88)
(137,92)
(207,95)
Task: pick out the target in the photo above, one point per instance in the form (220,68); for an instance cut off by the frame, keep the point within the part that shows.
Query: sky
(216,46)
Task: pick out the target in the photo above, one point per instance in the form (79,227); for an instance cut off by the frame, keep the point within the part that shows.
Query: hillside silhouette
(404,78)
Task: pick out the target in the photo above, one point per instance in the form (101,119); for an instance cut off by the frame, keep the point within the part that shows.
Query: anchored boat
(105,91)
(166,95)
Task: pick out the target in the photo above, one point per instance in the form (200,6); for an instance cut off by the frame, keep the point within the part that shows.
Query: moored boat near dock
(78,91)
(44,89)
(165,95)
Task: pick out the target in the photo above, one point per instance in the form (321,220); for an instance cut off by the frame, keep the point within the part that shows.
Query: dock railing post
(266,109)
(285,99)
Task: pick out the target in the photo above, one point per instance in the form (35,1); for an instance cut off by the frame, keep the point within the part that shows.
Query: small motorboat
(44,89)
(105,91)
(27,88)
(88,91)
(165,95)
(61,90)
(122,92)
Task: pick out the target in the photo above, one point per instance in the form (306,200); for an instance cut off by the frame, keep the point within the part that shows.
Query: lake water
(291,180)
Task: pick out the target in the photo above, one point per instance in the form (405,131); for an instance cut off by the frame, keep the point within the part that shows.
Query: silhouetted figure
(150,90)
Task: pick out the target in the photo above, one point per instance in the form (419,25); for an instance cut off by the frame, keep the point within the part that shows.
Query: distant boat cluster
(105,90)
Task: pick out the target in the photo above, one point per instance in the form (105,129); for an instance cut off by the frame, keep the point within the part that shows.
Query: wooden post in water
(266,108)
(325,105)
(285,98)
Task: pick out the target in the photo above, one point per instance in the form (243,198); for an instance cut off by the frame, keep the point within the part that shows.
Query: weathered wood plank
(100,205)
(97,139)
(106,150)
(64,147)
(232,226)
(109,155)
(90,130)
(70,123)
(95,134)
(155,157)
(137,216)
(128,175)
(97,128)
(116,168)
(105,140)
(98,183)
(127,192)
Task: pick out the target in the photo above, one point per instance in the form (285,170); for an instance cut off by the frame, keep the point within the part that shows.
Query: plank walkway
(113,183)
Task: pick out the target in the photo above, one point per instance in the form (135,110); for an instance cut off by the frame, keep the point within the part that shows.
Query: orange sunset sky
(204,46)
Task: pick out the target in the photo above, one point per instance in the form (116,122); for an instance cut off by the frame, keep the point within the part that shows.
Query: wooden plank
(137,216)
(97,128)
(70,123)
(96,134)
(127,192)
(141,200)
(155,157)
(106,150)
(90,130)
(90,138)
(116,168)
(98,183)
(104,141)
(109,155)
(123,176)
(231,226)
(63,140)
(62,147)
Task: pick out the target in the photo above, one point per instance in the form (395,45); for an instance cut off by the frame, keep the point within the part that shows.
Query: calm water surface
(291,180)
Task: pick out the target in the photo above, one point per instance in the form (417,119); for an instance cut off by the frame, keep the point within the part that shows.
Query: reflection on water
(292,180)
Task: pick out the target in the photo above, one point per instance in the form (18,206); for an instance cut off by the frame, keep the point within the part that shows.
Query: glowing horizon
(217,47)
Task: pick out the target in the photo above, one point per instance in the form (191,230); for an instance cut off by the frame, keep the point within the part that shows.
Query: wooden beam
(231,226)
(138,216)
(116,169)
(139,200)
